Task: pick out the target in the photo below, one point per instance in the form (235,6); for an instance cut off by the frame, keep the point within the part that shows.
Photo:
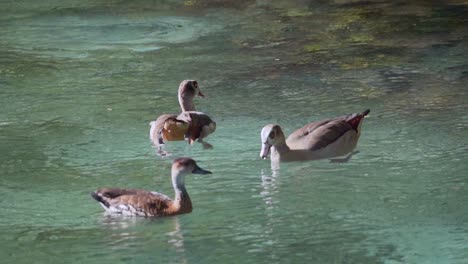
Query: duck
(189,125)
(323,139)
(138,202)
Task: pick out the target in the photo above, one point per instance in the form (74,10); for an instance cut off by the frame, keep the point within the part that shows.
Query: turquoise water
(81,80)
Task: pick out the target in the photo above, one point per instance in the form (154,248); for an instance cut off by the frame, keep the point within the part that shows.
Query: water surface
(81,80)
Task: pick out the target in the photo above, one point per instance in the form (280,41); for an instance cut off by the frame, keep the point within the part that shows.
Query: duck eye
(272,135)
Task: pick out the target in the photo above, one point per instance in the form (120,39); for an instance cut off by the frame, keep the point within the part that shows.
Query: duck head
(182,166)
(271,135)
(190,88)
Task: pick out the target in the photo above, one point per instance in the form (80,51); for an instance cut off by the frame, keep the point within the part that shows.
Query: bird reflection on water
(125,232)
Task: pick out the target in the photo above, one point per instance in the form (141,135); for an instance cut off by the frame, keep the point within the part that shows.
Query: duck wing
(317,135)
(132,201)
(320,134)
(196,121)
(167,128)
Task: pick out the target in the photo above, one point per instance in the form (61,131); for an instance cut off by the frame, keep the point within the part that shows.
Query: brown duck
(137,202)
(190,125)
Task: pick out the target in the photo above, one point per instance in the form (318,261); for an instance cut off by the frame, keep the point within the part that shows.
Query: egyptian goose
(137,202)
(318,140)
(190,125)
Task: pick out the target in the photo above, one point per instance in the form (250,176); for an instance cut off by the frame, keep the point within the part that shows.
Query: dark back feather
(196,120)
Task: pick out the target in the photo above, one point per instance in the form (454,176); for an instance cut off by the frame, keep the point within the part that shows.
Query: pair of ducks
(318,140)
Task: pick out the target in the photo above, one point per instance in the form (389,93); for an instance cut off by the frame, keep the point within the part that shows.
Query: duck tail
(355,119)
(365,112)
(98,197)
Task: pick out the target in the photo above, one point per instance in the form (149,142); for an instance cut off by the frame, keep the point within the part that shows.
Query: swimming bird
(328,138)
(137,202)
(190,125)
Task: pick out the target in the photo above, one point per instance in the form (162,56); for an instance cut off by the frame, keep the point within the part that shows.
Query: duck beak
(200,94)
(265,150)
(199,170)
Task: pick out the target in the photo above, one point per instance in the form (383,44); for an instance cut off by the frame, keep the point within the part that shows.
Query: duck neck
(186,102)
(182,200)
(280,150)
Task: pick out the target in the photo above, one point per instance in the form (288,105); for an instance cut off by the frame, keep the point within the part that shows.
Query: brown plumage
(191,126)
(137,202)
(133,201)
(168,128)
(200,126)
(323,139)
